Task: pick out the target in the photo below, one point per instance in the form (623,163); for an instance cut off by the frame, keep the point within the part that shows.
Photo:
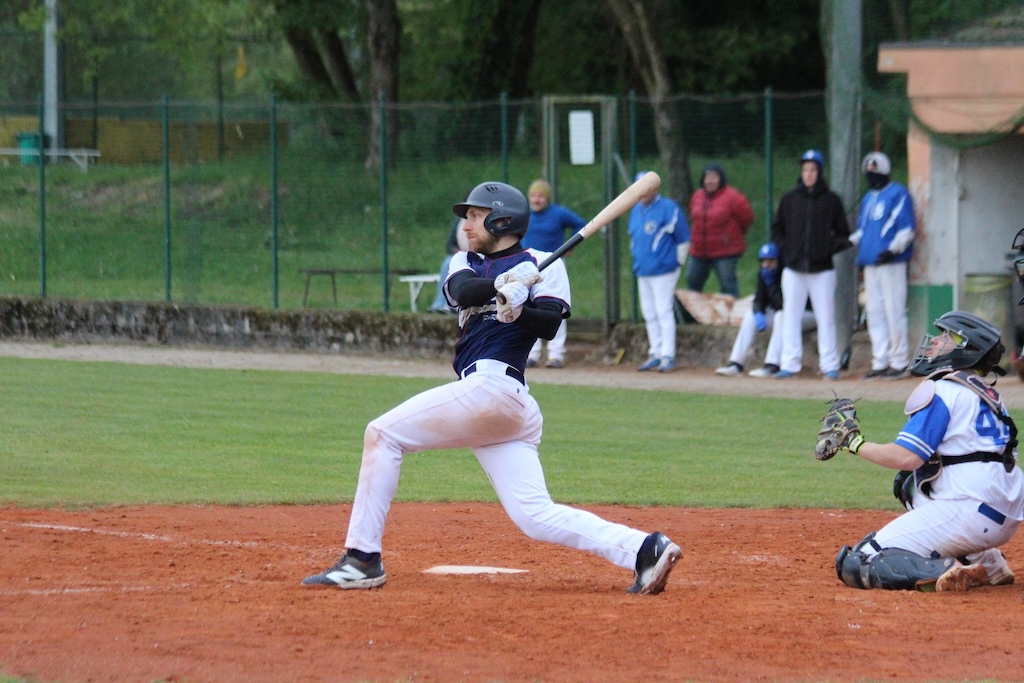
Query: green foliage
(85,434)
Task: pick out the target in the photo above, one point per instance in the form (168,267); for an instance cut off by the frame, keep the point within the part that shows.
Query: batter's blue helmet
(815,156)
(510,212)
(768,250)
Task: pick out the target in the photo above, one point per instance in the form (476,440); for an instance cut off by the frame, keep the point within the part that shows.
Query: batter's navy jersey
(483,336)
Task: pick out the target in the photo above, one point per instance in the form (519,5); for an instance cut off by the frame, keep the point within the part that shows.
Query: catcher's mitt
(839,429)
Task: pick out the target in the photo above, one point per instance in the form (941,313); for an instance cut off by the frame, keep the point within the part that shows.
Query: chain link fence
(270,204)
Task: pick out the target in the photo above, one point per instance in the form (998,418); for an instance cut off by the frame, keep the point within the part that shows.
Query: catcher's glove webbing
(839,429)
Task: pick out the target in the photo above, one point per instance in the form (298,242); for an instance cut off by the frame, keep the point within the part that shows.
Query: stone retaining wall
(404,335)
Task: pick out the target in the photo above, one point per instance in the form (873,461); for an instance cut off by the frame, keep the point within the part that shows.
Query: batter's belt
(494,367)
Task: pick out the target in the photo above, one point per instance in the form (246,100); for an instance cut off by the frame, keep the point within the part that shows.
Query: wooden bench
(81,157)
(416,283)
(334,272)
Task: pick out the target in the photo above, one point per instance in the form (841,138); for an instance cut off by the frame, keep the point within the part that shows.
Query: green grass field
(79,434)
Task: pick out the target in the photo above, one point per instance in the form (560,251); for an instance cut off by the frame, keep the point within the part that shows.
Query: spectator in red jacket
(720,216)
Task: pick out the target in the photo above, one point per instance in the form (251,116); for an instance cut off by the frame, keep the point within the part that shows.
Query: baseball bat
(626,200)
(618,206)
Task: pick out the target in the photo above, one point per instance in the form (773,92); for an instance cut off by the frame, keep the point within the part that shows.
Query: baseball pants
(885,293)
(951,528)
(495,416)
(748,332)
(820,288)
(657,304)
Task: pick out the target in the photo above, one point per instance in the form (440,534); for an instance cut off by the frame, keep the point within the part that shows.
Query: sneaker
(655,564)
(769,370)
(876,374)
(832,375)
(730,370)
(667,364)
(1003,577)
(893,373)
(555,363)
(348,573)
(961,577)
(783,374)
(650,364)
(531,363)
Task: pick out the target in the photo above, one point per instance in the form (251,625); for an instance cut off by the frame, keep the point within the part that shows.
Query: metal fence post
(504,137)
(273,198)
(166,123)
(632,175)
(384,197)
(768,166)
(42,195)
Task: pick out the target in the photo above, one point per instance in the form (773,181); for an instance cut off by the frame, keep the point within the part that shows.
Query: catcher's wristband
(856,441)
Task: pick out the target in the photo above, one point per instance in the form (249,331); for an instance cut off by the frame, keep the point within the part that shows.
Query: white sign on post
(581,137)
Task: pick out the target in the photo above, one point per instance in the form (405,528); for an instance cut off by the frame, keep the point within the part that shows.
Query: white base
(469,569)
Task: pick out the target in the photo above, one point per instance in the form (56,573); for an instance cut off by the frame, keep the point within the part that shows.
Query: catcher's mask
(510,212)
(964,342)
(1018,265)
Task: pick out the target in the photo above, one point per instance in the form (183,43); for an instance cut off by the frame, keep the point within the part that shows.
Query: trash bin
(27,142)
(989,296)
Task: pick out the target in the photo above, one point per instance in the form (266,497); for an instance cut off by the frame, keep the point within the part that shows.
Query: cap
(877,162)
(815,156)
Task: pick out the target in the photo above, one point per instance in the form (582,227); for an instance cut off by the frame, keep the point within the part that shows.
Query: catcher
(958,479)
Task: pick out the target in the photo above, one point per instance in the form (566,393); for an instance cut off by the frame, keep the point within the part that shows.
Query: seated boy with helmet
(765,314)
(958,479)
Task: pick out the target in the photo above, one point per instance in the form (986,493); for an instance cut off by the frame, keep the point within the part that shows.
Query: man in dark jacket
(809,227)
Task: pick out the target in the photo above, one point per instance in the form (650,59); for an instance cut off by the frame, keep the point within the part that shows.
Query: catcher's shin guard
(889,568)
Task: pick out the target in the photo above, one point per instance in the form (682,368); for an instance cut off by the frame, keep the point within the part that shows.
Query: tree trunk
(337,64)
(649,60)
(382,38)
(307,57)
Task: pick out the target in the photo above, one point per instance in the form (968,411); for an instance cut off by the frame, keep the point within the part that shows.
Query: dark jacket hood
(717,169)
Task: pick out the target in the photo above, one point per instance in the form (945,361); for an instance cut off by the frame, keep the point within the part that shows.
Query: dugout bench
(333,273)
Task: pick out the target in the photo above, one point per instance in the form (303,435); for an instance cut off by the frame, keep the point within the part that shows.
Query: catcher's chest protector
(924,394)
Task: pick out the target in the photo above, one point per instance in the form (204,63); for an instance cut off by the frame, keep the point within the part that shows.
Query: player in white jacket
(884,237)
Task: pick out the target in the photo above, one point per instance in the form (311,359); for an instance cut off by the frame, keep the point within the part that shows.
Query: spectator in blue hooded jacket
(884,239)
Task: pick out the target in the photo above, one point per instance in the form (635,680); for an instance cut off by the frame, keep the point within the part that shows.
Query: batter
(958,480)
(504,306)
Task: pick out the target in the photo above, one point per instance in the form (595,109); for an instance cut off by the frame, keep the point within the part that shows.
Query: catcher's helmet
(510,212)
(768,250)
(978,346)
(1018,264)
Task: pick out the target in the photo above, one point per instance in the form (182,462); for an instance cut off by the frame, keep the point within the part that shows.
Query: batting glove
(759,322)
(525,272)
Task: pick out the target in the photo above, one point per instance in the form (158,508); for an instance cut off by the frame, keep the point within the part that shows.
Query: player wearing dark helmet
(958,479)
(504,306)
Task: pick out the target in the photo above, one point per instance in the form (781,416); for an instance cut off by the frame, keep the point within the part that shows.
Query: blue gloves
(759,322)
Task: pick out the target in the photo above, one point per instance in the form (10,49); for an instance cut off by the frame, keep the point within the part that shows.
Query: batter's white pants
(951,528)
(495,416)
(657,304)
(748,332)
(796,289)
(556,347)
(885,293)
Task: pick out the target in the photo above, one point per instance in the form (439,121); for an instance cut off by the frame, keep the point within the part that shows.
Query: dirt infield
(206,593)
(213,594)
